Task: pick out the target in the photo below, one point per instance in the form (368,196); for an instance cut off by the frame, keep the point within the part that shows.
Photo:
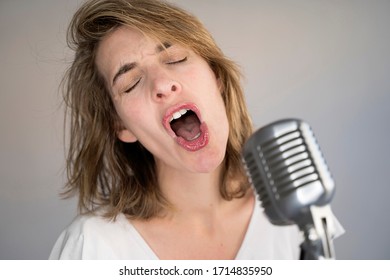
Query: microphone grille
(287,169)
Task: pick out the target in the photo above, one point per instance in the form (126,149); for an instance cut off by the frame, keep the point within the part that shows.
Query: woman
(157,122)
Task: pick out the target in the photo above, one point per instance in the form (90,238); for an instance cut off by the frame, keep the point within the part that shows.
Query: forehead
(127,45)
(123,46)
(123,41)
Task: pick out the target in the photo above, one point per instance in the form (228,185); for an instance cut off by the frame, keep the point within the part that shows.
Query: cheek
(223,121)
(201,74)
(128,112)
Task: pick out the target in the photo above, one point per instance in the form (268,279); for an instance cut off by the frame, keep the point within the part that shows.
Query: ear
(126,136)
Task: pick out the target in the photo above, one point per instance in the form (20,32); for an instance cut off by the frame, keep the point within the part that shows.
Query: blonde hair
(104,171)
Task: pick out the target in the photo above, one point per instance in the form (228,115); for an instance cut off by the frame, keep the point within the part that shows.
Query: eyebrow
(122,70)
(129,66)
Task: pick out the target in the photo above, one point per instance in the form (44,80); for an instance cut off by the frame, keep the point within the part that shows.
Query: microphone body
(286,168)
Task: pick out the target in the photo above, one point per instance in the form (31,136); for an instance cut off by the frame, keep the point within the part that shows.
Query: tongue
(187,126)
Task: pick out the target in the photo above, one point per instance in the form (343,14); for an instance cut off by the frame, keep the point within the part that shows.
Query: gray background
(326,62)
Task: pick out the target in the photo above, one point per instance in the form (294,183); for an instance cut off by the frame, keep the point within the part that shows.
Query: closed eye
(133,86)
(177,61)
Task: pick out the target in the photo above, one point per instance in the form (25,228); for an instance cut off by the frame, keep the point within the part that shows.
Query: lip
(193,145)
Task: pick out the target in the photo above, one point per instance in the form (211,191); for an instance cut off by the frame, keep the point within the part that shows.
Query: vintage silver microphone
(286,167)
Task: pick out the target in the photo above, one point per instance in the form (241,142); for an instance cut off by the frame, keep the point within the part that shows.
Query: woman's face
(168,99)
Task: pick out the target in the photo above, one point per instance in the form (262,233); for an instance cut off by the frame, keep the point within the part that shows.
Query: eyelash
(178,61)
(133,86)
(170,63)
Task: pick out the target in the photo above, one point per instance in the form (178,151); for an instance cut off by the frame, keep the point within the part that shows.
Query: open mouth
(185,125)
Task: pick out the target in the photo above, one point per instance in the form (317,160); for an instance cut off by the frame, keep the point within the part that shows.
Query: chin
(209,163)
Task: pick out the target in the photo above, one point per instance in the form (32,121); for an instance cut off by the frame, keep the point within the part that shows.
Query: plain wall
(326,62)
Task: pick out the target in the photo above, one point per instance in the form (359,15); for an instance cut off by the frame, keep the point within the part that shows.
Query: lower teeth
(195,137)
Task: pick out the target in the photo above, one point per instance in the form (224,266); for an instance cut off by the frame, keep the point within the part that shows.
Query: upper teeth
(178,114)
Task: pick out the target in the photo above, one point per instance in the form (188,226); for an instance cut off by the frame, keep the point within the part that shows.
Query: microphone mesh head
(286,167)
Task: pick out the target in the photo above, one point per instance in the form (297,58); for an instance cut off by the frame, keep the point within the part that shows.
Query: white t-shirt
(94,237)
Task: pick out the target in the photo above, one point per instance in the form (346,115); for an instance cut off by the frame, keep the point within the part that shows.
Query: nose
(164,87)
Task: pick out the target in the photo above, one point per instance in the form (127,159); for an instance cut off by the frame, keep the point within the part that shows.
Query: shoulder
(95,237)
(267,241)
(264,240)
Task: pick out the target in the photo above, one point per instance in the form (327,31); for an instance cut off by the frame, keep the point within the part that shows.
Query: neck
(192,193)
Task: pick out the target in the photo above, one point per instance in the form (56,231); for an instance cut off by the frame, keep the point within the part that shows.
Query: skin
(147,84)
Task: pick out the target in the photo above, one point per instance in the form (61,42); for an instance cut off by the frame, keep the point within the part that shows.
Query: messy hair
(121,177)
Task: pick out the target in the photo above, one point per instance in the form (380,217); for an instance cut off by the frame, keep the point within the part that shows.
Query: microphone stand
(318,229)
